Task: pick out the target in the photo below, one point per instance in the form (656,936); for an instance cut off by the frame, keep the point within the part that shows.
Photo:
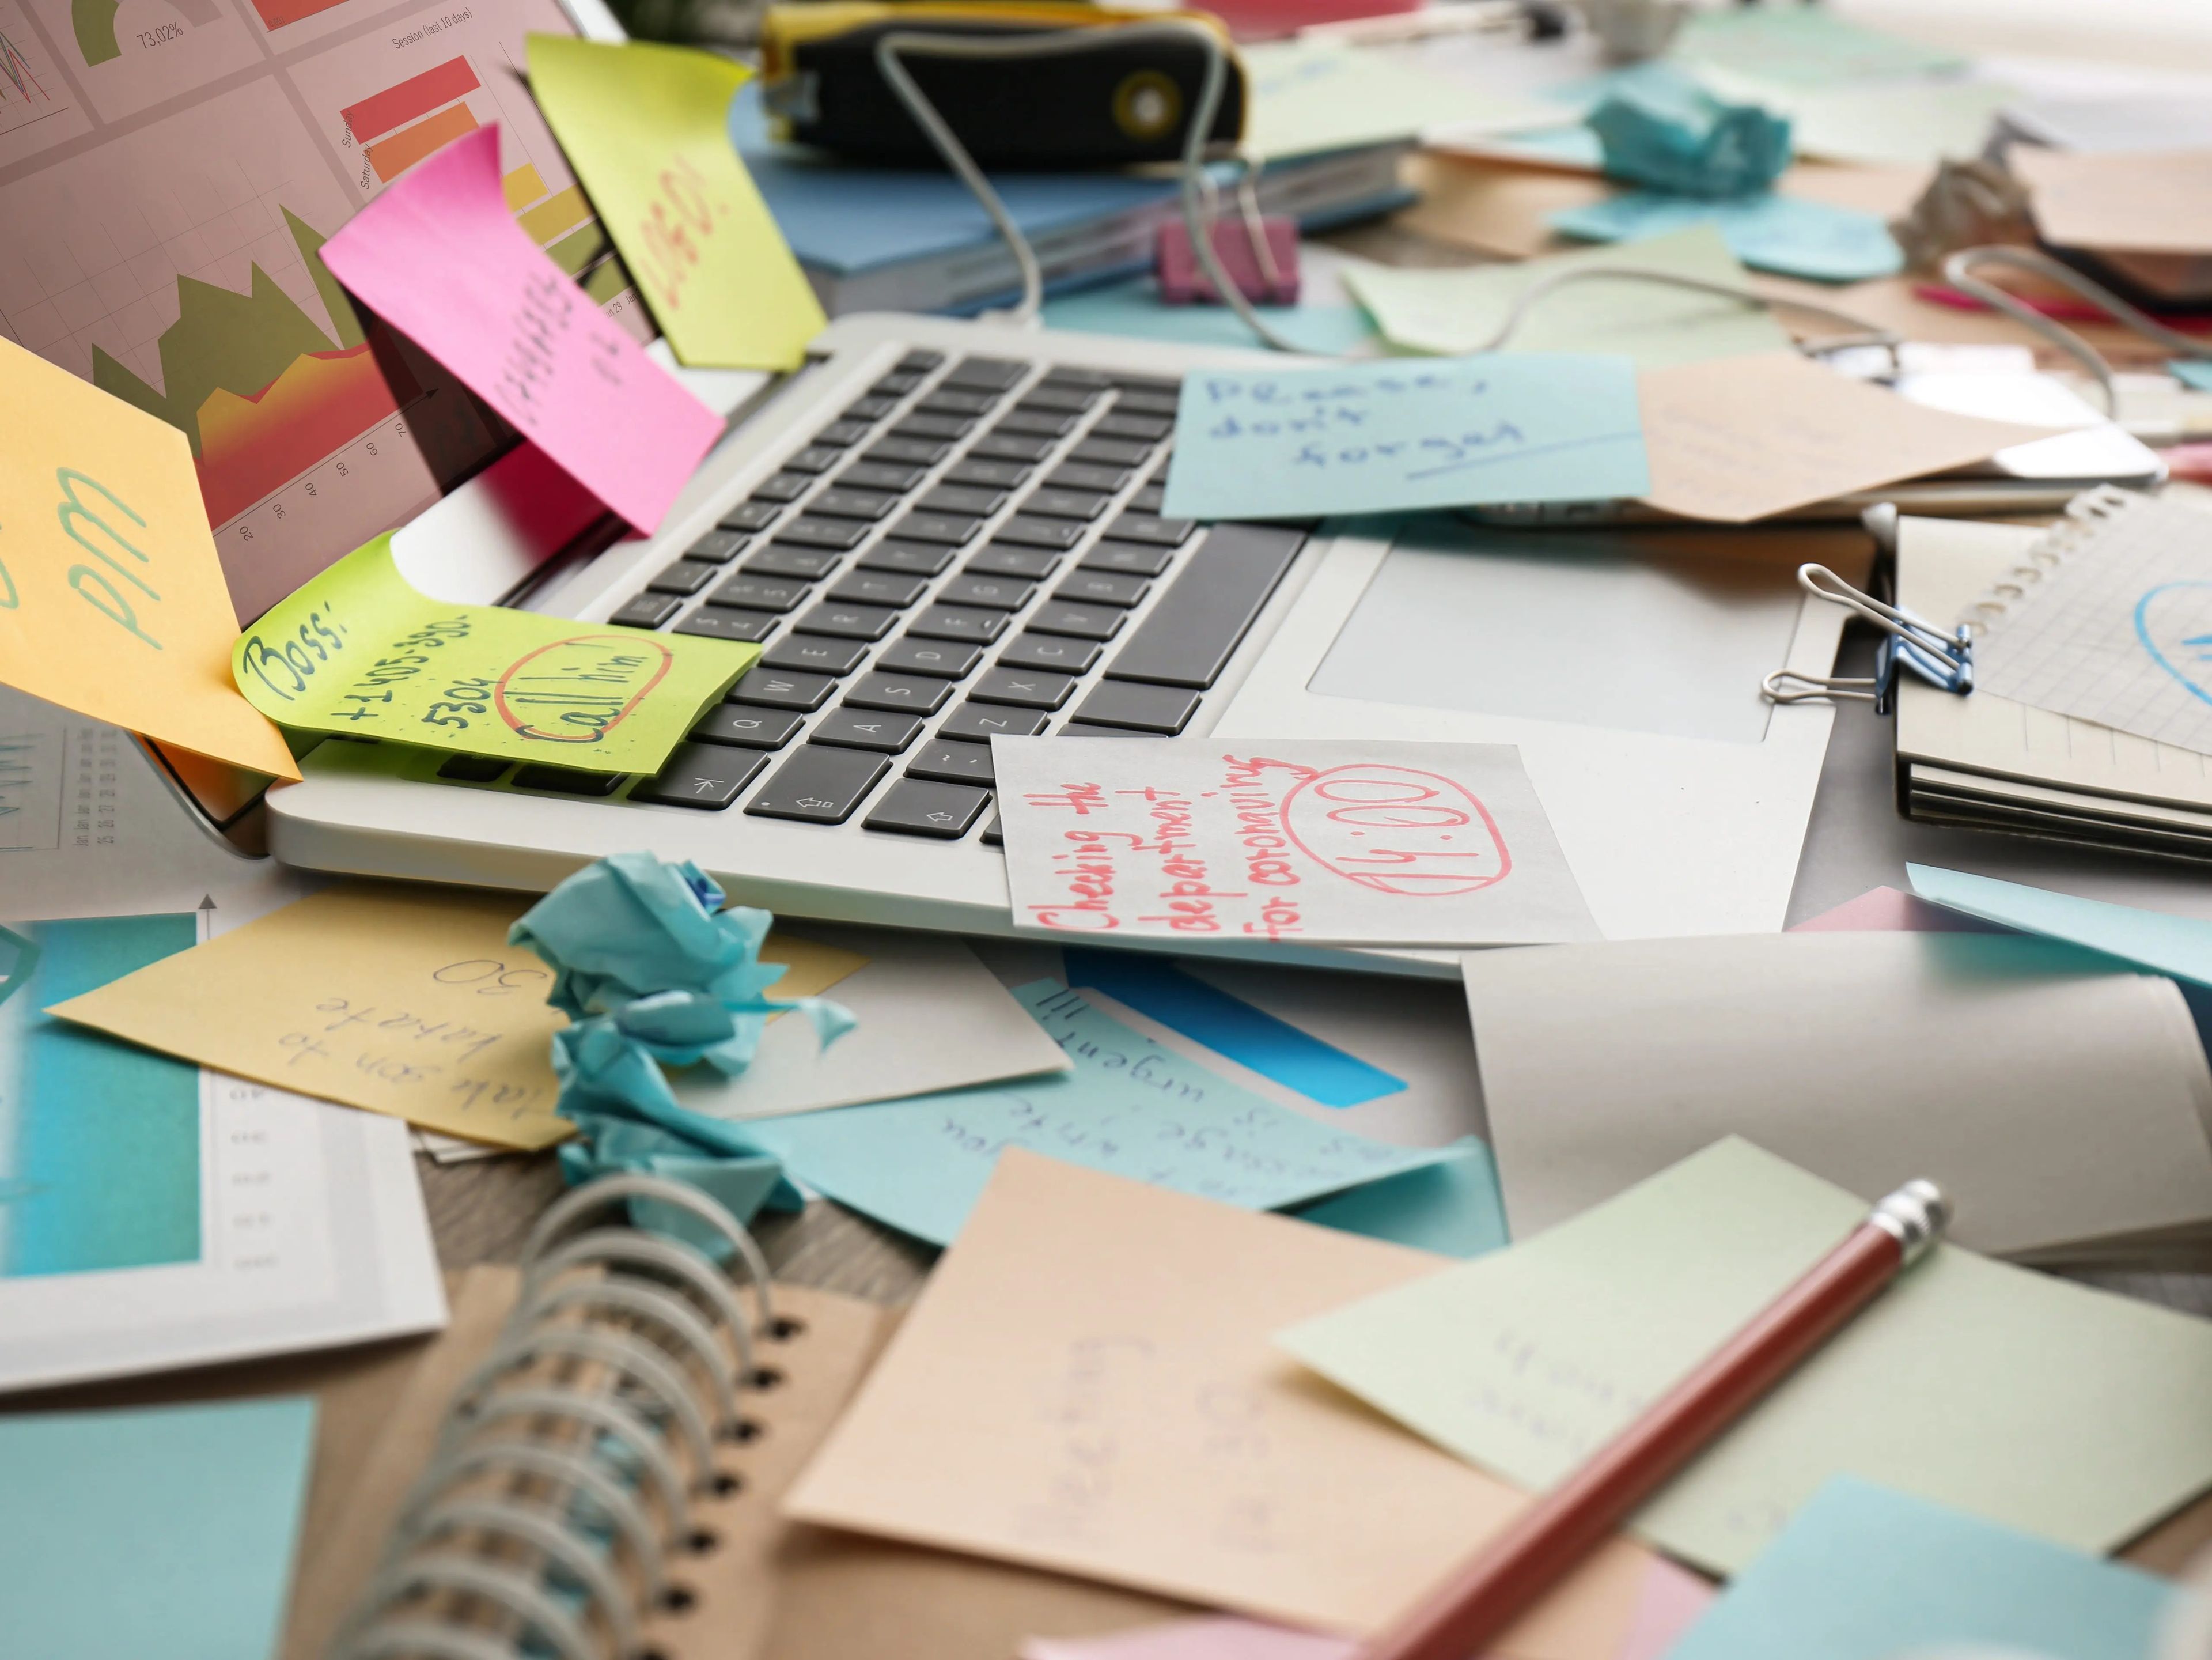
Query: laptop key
(1109,452)
(1074,475)
(1025,689)
(705,776)
(992,593)
(951,531)
(870,409)
(1133,401)
(920,360)
(917,558)
(841,535)
(1092,588)
(992,835)
(916,694)
(915,806)
(999,560)
(962,498)
(1057,394)
(1164,710)
(815,458)
(1145,527)
(685,578)
(1055,652)
(819,784)
(865,587)
(1055,533)
(761,593)
(897,384)
(843,435)
(816,653)
(989,475)
(1036,423)
(987,373)
(957,400)
(934,426)
(978,723)
(1086,505)
(647,610)
(778,689)
(1128,559)
(1079,622)
(869,505)
(957,623)
(947,660)
(567,781)
(881,476)
(1085,729)
(869,622)
(1151,499)
(751,516)
(805,564)
(718,547)
(747,726)
(952,763)
(1189,637)
(712,622)
(783,487)
(1010,447)
(886,732)
(472,769)
(908,451)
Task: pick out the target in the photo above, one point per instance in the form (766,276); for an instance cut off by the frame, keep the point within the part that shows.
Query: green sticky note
(645,127)
(2192,371)
(359,652)
(2068,1413)
(1802,44)
(1450,312)
(167,1531)
(1312,96)
(1865,1573)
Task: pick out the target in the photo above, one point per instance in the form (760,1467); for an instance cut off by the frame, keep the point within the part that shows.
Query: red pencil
(1479,1601)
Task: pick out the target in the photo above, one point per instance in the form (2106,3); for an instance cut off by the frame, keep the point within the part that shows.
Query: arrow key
(917,807)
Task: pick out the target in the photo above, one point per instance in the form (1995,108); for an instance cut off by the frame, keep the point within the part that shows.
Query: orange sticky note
(112,599)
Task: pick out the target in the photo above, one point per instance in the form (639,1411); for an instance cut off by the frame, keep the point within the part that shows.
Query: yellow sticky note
(359,651)
(112,599)
(645,127)
(404,1001)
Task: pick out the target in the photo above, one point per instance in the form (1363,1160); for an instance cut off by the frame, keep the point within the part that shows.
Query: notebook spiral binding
(2085,514)
(559,1502)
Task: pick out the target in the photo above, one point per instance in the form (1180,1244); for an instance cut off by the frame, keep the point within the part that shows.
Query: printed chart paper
(1337,843)
(360,652)
(1379,437)
(513,325)
(646,127)
(112,598)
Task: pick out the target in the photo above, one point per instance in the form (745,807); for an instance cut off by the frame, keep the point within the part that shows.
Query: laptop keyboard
(959,555)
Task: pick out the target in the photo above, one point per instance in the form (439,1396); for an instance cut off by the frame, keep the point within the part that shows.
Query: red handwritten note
(439,258)
(1326,843)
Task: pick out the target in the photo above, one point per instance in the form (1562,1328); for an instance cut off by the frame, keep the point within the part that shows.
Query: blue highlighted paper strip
(1782,233)
(1229,1026)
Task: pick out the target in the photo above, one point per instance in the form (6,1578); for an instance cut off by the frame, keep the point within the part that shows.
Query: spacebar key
(1195,626)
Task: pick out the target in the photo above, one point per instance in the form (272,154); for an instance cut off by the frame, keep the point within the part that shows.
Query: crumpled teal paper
(745,1186)
(646,943)
(1674,136)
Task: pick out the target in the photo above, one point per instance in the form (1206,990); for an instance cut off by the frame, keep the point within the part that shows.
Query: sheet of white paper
(1346,843)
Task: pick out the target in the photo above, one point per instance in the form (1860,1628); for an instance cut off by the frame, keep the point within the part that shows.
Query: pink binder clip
(1258,254)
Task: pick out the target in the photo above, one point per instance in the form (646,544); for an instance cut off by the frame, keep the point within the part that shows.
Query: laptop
(941,529)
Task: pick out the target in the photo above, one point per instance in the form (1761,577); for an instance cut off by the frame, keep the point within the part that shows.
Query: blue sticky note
(1864,1573)
(1437,432)
(1771,233)
(1229,1026)
(1130,1107)
(167,1531)
(2154,939)
(2193,371)
(1454,1208)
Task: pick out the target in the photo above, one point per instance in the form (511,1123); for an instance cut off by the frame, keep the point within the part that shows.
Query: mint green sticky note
(1867,1573)
(2155,939)
(1129,1106)
(167,1531)
(2193,371)
(1772,233)
(1300,443)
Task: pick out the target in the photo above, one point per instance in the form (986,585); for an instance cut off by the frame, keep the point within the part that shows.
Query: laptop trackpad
(1633,633)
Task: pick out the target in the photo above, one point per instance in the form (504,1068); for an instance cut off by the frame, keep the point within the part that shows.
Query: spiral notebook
(1992,761)
(457,1508)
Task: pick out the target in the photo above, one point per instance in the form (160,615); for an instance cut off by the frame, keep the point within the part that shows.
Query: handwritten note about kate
(439,258)
(1339,843)
(1377,437)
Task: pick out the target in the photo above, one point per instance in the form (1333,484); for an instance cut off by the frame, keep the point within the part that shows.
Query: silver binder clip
(1910,642)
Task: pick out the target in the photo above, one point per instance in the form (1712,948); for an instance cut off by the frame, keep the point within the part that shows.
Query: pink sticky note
(439,257)
(1888,910)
